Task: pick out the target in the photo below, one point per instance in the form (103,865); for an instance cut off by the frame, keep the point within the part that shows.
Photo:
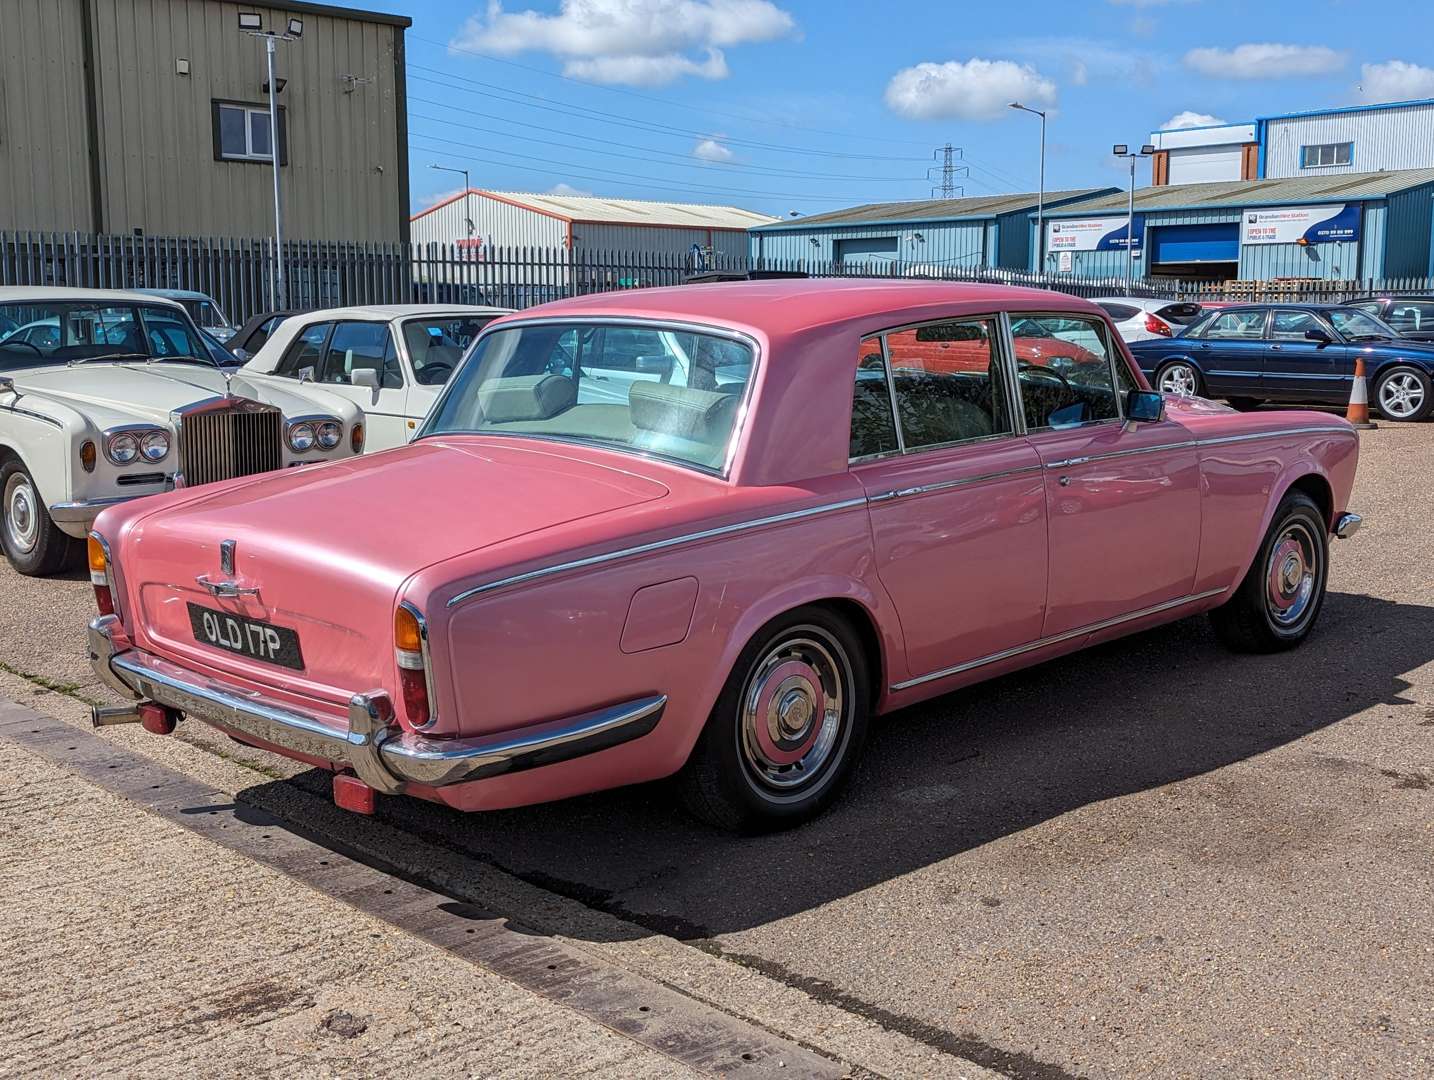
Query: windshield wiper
(207,361)
(107,356)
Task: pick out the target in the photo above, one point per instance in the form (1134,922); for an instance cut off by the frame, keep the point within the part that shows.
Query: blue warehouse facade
(1339,227)
(970,233)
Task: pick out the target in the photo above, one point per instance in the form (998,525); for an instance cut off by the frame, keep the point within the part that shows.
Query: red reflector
(352,794)
(103,600)
(156,719)
(414,689)
(1156,325)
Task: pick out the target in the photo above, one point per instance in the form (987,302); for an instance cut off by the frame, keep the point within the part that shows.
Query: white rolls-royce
(107,396)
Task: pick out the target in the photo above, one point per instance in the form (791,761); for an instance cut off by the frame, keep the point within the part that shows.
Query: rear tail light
(98,554)
(1156,325)
(410,652)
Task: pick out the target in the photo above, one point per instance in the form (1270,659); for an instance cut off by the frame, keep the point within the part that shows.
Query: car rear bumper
(372,745)
(1346,525)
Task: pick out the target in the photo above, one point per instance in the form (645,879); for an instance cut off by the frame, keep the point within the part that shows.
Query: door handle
(1277,348)
(1064,481)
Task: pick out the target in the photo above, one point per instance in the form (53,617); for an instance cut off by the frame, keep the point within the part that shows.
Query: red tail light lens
(410,654)
(1156,325)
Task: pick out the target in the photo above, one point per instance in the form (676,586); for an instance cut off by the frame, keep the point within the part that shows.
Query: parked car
(120,397)
(251,336)
(391,361)
(548,592)
(1409,316)
(202,308)
(1140,319)
(1297,353)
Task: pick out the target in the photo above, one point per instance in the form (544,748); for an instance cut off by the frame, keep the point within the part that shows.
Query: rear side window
(305,352)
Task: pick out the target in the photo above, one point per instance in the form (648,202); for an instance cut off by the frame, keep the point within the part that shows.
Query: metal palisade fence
(239,274)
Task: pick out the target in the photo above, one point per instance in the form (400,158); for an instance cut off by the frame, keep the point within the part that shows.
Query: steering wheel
(441,370)
(28,344)
(1041,369)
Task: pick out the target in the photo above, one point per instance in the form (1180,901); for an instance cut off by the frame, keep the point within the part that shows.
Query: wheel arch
(1303,475)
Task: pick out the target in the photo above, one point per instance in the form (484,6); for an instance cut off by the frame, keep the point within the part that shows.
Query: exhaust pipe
(111,715)
(153,717)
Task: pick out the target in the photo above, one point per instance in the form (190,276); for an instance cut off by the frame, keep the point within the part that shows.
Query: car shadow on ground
(951,775)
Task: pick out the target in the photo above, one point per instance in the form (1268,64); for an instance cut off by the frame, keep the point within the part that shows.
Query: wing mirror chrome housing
(1144,406)
(364,376)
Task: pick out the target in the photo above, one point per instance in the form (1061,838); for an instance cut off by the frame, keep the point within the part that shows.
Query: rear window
(1119,312)
(1180,314)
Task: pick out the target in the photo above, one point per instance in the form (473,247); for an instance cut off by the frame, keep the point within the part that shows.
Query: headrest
(525,397)
(700,415)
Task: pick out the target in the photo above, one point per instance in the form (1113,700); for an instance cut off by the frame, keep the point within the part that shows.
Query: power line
(748,118)
(536,101)
(681,160)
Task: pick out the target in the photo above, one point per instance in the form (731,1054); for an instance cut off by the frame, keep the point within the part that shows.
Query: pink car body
(582,606)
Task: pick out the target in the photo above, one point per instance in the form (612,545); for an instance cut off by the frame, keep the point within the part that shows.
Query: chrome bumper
(84,511)
(380,753)
(1346,525)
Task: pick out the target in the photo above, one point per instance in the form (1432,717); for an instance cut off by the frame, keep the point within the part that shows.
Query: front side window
(1065,369)
(1357,326)
(1326,155)
(436,345)
(679,397)
(947,383)
(242,133)
(59,332)
(1246,325)
(305,352)
(1291,325)
(355,345)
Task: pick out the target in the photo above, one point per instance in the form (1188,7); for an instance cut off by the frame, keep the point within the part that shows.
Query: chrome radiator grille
(221,444)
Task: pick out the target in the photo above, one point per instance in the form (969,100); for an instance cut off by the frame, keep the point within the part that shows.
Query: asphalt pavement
(1154,858)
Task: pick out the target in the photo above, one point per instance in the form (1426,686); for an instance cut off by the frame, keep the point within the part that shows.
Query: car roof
(401,311)
(176,294)
(1424,298)
(1144,303)
(794,306)
(37,294)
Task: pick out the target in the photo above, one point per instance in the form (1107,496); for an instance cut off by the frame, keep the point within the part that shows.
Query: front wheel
(1404,394)
(33,543)
(787,728)
(1179,377)
(1276,606)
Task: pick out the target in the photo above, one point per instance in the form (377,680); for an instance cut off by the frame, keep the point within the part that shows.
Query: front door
(1122,500)
(1231,351)
(956,497)
(355,345)
(1299,369)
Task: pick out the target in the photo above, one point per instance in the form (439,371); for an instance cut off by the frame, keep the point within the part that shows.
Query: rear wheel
(33,543)
(1276,606)
(787,729)
(1180,377)
(1404,393)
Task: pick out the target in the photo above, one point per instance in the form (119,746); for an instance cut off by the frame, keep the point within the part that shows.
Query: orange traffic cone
(1358,411)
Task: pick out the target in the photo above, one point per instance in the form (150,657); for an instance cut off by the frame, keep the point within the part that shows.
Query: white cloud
(1086,59)
(712,150)
(1188,119)
(563,188)
(1265,61)
(636,42)
(1396,80)
(974,90)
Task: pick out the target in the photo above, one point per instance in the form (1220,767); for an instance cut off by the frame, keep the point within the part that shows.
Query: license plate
(246,637)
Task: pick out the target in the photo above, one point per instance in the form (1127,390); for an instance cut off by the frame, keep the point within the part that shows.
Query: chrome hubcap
(1402,394)
(1291,576)
(794,708)
(1178,379)
(22,514)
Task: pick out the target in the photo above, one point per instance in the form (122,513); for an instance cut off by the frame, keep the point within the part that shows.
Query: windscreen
(32,334)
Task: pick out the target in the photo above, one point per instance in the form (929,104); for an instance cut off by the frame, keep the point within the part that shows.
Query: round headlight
(122,448)
(330,434)
(301,438)
(154,445)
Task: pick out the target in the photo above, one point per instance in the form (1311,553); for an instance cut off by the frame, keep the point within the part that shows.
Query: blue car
(1295,353)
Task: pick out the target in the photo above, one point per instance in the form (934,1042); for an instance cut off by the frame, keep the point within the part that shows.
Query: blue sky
(783,105)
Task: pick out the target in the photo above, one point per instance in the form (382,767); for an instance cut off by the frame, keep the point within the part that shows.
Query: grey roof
(978,206)
(1237,194)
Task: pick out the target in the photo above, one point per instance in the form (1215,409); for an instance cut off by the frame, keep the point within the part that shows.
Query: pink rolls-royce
(710,531)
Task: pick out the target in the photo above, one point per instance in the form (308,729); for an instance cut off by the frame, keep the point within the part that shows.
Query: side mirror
(1144,406)
(1317,335)
(364,376)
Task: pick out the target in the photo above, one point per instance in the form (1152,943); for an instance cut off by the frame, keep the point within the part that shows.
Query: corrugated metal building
(1338,228)
(981,231)
(118,115)
(1204,155)
(583,223)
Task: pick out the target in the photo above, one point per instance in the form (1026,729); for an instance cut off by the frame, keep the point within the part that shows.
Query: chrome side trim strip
(1193,444)
(32,415)
(1056,639)
(1189,444)
(1223,439)
(656,545)
(946,485)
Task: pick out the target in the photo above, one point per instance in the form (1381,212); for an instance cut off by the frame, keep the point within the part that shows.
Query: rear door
(1298,369)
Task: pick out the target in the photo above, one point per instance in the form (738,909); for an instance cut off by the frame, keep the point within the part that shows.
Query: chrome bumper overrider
(84,511)
(1346,525)
(380,753)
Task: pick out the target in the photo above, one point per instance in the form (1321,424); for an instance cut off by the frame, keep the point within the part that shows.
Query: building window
(1326,155)
(241,133)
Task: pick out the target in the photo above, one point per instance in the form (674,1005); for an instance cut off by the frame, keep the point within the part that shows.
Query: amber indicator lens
(406,635)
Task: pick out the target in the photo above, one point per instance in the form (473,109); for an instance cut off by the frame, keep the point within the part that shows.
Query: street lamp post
(1041,194)
(252,23)
(467,188)
(1123,151)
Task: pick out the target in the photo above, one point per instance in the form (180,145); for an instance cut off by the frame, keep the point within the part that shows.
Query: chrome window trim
(412,609)
(1056,639)
(657,545)
(891,394)
(739,422)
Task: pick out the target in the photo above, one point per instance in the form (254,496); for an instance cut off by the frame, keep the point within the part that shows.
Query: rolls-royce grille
(226,443)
